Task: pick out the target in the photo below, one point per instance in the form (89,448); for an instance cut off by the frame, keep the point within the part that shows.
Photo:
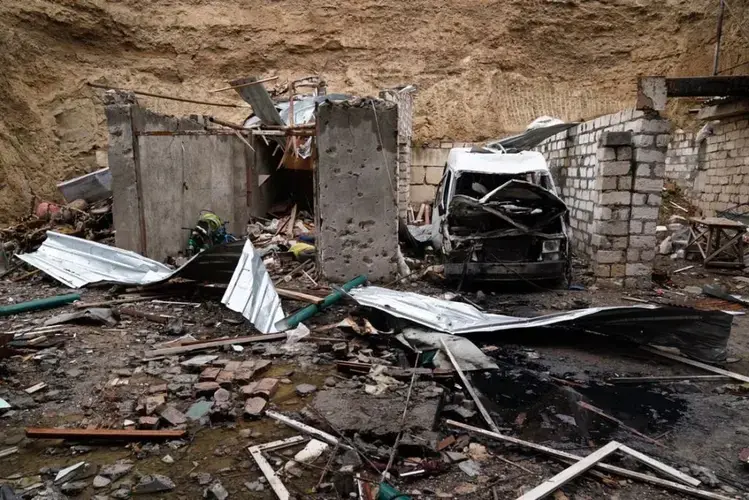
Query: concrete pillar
(356,190)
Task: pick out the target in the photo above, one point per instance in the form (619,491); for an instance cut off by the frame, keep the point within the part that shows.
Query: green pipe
(309,311)
(39,304)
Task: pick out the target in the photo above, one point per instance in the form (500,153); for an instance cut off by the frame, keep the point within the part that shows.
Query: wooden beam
(101,434)
(666,378)
(303,297)
(563,455)
(216,343)
(660,466)
(698,364)
(570,473)
(257,453)
(487,418)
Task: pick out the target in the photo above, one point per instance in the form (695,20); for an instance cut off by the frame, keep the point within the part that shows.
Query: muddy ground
(532,396)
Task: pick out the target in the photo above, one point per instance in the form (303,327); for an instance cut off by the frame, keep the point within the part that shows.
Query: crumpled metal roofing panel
(252,293)
(77,262)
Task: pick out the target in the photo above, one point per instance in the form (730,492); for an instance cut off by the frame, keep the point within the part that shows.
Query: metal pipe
(39,304)
(312,309)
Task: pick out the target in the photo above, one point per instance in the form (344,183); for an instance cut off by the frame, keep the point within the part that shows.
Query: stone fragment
(148,422)
(101,482)
(254,407)
(173,415)
(117,470)
(153,483)
(216,491)
(205,389)
(305,389)
(74,487)
(225,379)
(209,374)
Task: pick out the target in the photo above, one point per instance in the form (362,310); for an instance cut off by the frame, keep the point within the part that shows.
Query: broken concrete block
(148,422)
(261,365)
(216,492)
(157,388)
(101,482)
(209,374)
(205,389)
(173,415)
(254,407)
(199,361)
(153,483)
(74,487)
(243,376)
(117,470)
(154,403)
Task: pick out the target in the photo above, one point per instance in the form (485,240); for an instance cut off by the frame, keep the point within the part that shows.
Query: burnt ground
(534,396)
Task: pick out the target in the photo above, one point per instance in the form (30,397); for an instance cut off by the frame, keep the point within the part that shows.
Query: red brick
(205,389)
(233,366)
(225,379)
(148,422)
(209,374)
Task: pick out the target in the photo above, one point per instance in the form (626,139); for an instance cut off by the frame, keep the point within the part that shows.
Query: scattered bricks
(639,269)
(609,256)
(433,175)
(154,403)
(254,407)
(609,138)
(606,154)
(618,197)
(646,212)
(261,366)
(233,366)
(225,378)
(649,155)
(649,185)
(247,391)
(243,377)
(205,389)
(148,422)
(173,415)
(209,374)
(265,387)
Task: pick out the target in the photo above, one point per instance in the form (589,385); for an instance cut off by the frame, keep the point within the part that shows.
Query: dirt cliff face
(483,67)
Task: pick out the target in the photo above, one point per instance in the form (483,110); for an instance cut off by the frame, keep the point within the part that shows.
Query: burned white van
(497,217)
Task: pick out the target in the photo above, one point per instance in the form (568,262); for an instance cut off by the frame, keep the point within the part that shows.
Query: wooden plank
(257,453)
(324,436)
(217,343)
(303,297)
(667,378)
(570,473)
(156,318)
(660,466)
(8,451)
(470,388)
(291,222)
(598,411)
(563,455)
(83,305)
(698,364)
(101,434)
(35,388)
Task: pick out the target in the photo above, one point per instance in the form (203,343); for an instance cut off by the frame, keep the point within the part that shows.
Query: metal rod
(269,79)
(403,419)
(169,97)
(716,61)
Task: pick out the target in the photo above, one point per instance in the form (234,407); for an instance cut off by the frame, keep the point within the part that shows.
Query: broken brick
(254,407)
(265,387)
(209,374)
(148,422)
(247,365)
(233,366)
(243,376)
(448,441)
(225,379)
(153,403)
(205,389)
(261,365)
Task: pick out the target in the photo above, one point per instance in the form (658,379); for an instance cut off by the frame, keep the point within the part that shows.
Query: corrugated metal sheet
(77,262)
(699,334)
(251,292)
(530,138)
